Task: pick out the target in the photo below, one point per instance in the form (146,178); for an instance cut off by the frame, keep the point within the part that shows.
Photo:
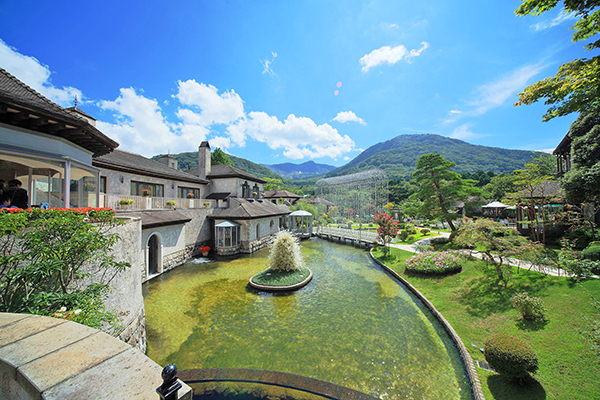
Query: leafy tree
(498,243)
(46,256)
(400,190)
(531,180)
(219,157)
(440,188)
(499,186)
(582,182)
(272,183)
(576,86)
(387,230)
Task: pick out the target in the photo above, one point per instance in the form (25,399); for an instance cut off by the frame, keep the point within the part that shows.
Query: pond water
(353,325)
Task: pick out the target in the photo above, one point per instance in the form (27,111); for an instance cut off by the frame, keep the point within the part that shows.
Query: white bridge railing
(352,234)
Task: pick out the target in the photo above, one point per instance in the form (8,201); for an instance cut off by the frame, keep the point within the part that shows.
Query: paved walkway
(544,269)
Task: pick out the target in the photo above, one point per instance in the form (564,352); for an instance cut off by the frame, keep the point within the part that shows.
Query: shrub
(433,263)
(126,202)
(530,307)
(424,231)
(403,235)
(580,237)
(510,356)
(401,225)
(439,241)
(592,252)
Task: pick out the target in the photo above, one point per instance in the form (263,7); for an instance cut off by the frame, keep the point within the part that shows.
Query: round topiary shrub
(433,263)
(424,231)
(592,252)
(510,356)
(530,307)
(403,235)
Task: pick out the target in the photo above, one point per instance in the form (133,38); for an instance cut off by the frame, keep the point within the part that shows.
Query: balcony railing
(148,203)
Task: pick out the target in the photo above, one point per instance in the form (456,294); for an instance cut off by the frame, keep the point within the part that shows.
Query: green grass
(269,277)
(477,307)
(416,237)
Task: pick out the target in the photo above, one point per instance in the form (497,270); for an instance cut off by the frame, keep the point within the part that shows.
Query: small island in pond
(286,268)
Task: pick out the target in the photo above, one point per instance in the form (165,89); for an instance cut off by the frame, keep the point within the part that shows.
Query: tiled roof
(227,171)
(248,209)
(547,189)
(23,106)
(277,194)
(137,164)
(155,218)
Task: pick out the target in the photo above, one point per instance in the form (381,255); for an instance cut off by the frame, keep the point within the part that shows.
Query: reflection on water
(353,325)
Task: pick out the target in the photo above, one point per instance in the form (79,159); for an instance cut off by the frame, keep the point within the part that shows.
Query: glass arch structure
(356,196)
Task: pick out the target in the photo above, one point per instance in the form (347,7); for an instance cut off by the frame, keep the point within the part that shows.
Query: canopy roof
(300,213)
(495,204)
(227,224)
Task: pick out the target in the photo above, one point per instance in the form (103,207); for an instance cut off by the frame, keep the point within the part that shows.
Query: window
(102,184)
(255,191)
(228,234)
(156,190)
(246,190)
(188,193)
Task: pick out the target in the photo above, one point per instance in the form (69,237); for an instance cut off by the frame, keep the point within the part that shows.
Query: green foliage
(272,183)
(387,229)
(434,263)
(530,307)
(269,277)
(510,356)
(592,253)
(403,235)
(425,231)
(440,188)
(576,86)
(219,157)
(126,202)
(498,243)
(285,253)
(500,186)
(582,182)
(46,255)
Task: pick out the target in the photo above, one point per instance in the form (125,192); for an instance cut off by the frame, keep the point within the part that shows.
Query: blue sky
(292,81)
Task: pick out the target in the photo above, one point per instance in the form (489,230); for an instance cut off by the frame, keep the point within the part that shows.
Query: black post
(170,386)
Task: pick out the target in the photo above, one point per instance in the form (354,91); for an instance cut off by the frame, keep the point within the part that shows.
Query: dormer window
(256,191)
(246,190)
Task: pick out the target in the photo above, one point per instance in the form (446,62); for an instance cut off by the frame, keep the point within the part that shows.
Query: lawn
(477,307)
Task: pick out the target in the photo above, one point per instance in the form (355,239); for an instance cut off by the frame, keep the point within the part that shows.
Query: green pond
(353,325)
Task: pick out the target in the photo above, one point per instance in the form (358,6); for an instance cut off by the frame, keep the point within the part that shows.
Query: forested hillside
(398,156)
(190,160)
(300,171)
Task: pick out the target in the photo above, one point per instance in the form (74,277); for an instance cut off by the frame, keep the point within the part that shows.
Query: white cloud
(463,132)
(299,137)
(494,94)
(348,116)
(549,151)
(142,128)
(36,75)
(266,63)
(220,141)
(389,25)
(215,109)
(453,112)
(559,19)
(389,55)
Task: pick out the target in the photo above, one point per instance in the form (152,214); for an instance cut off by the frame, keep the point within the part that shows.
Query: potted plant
(205,250)
(206,203)
(146,192)
(125,203)
(89,187)
(171,203)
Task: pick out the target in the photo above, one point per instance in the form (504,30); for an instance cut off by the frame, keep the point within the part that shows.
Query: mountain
(300,171)
(190,160)
(398,156)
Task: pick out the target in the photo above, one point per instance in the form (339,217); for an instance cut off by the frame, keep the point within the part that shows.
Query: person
(19,197)
(5,200)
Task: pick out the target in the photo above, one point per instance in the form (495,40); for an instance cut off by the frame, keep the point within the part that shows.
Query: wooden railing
(147,203)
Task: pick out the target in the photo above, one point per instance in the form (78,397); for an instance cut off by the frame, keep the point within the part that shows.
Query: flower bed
(433,263)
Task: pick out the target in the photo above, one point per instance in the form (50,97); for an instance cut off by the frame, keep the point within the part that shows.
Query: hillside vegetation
(398,156)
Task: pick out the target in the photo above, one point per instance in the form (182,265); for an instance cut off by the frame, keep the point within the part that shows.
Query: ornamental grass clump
(285,253)
(433,263)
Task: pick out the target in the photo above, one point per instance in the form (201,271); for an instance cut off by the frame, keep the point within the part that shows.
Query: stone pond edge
(475,384)
(281,288)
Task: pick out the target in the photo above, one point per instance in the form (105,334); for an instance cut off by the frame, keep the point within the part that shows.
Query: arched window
(154,255)
(256,191)
(246,190)
(257,231)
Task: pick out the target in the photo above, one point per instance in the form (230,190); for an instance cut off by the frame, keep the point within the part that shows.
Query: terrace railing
(148,203)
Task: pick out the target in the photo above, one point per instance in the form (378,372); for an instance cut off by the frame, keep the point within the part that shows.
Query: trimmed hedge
(592,252)
(510,356)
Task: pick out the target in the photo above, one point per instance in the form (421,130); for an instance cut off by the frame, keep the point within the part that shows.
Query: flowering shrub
(204,248)
(432,262)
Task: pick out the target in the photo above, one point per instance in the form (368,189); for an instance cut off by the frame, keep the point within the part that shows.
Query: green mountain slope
(190,160)
(398,156)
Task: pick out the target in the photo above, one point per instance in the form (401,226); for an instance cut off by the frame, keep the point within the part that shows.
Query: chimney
(169,161)
(204,160)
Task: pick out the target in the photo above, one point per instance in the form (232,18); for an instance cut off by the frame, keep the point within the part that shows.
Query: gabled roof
(546,189)
(278,194)
(564,147)
(155,218)
(249,209)
(22,106)
(227,171)
(136,164)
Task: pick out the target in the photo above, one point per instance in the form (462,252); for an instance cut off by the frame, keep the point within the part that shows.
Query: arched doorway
(154,255)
